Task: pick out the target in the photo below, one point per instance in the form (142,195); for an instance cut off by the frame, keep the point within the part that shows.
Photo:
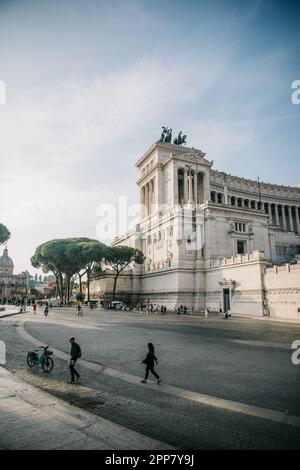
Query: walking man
(75,354)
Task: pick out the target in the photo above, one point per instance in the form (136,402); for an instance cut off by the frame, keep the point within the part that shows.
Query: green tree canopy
(67,257)
(119,257)
(4,234)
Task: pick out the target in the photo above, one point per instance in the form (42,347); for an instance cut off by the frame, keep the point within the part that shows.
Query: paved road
(242,360)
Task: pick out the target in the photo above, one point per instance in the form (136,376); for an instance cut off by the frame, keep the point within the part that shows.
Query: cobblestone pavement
(32,419)
(243,360)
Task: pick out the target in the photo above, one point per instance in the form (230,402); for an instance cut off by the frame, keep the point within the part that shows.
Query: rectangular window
(241,247)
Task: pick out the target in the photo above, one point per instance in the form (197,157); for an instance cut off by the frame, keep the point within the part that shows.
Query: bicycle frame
(42,359)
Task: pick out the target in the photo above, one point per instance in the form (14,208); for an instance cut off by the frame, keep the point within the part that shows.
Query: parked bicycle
(34,360)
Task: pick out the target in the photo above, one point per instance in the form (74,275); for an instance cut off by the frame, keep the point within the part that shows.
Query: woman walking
(149,361)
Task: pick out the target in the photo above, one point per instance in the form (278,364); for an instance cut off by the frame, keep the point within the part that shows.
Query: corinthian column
(185,186)
(147,198)
(276,214)
(290,219)
(190,198)
(142,202)
(297,219)
(283,217)
(175,184)
(195,187)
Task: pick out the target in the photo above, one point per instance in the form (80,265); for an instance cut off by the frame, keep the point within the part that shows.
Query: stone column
(185,186)
(297,221)
(206,187)
(175,184)
(190,197)
(290,218)
(147,198)
(195,187)
(150,196)
(153,190)
(159,189)
(276,215)
(142,202)
(225,193)
(283,217)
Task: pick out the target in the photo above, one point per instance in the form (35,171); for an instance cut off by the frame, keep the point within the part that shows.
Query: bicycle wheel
(48,365)
(30,361)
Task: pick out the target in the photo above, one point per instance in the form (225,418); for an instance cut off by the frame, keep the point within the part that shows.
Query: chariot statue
(180,139)
(166,136)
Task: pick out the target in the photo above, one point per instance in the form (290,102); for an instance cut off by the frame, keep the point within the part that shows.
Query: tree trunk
(61,288)
(68,285)
(115,285)
(88,284)
(66,289)
(57,286)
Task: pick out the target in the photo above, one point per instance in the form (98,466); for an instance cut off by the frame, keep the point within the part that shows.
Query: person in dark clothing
(75,354)
(149,361)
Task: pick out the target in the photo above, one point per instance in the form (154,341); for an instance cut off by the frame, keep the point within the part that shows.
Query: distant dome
(6,263)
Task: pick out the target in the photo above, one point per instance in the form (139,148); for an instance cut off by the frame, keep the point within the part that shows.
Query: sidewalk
(33,419)
(10,310)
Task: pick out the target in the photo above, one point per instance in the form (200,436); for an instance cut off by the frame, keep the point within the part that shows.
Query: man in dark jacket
(75,354)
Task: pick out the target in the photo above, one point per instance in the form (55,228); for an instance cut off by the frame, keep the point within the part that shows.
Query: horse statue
(180,139)
(163,134)
(168,137)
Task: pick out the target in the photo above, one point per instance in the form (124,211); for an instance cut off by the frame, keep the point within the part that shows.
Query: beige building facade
(12,286)
(210,240)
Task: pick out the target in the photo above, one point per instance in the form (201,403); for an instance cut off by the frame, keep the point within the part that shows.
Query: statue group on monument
(166,136)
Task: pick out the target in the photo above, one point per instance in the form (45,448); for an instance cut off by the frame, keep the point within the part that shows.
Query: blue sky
(90,83)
